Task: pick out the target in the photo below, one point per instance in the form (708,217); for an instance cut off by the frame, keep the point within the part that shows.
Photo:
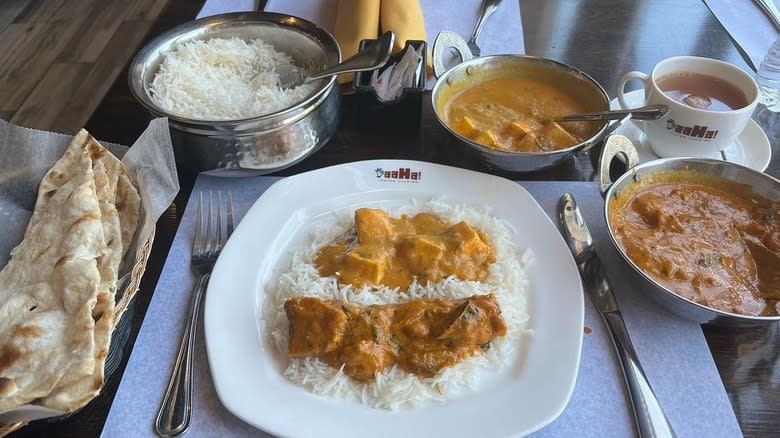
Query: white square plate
(247,367)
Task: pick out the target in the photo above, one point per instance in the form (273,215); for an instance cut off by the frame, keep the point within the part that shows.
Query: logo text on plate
(402,174)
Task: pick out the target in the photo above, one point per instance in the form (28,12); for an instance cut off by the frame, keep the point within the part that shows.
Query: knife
(648,415)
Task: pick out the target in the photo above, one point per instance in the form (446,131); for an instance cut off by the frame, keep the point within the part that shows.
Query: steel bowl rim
(484,149)
(137,82)
(615,188)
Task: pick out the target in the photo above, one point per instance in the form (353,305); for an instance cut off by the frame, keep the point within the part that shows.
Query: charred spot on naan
(58,179)
(9,354)
(62,260)
(86,218)
(42,253)
(97,382)
(58,176)
(7,386)
(96,151)
(27,331)
(101,306)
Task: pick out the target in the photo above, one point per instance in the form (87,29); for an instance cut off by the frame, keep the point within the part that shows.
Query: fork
(488,7)
(175,411)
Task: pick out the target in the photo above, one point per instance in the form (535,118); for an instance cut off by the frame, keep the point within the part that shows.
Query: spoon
(372,57)
(488,7)
(649,112)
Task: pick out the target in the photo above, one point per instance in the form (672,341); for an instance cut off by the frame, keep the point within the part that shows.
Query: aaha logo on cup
(710,103)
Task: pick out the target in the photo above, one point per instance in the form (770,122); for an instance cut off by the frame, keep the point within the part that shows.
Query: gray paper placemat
(673,351)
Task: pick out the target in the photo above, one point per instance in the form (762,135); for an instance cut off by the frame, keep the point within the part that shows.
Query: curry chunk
(422,336)
(651,207)
(465,126)
(529,143)
(557,135)
(520,128)
(316,326)
(397,251)
(363,360)
(372,224)
(421,249)
(469,240)
(436,333)
(486,138)
(364,263)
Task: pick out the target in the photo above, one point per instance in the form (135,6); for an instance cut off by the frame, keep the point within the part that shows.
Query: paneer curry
(516,115)
(421,336)
(382,250)
(714,242)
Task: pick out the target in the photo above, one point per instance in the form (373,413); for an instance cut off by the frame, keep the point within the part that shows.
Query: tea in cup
(710,103)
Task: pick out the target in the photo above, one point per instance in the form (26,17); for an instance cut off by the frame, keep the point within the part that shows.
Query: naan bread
(75,390)
(57,293)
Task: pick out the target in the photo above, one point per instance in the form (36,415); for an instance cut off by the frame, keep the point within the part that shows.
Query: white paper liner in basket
(28,154)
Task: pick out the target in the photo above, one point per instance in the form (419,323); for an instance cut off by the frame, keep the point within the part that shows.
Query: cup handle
(630,76)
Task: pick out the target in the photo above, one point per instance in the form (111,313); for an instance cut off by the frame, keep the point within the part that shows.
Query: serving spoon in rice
(372,57)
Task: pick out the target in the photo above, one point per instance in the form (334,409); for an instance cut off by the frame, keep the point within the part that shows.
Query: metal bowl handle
(445,40)
(615,145)
(605,133)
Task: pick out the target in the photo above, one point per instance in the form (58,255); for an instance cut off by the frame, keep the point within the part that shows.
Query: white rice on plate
(215,80)
(394,388)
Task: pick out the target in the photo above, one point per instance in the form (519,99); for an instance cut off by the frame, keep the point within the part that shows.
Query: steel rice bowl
(763,184)
(563,76)
(257,145)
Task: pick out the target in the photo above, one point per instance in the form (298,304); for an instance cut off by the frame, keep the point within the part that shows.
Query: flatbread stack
(57,293)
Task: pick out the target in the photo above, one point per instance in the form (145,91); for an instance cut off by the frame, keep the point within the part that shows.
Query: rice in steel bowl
(394,388)
(224,79)
(259,144)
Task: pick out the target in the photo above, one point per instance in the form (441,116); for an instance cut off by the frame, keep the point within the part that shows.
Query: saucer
(752,148)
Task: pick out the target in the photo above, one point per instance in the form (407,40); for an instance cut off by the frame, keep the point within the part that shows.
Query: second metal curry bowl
(763,184)
(565,77)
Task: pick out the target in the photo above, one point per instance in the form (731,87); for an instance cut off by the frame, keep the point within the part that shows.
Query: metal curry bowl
(475,70)
(256,145)
(761,183)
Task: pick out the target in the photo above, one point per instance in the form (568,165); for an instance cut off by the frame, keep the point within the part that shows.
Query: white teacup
(687,131)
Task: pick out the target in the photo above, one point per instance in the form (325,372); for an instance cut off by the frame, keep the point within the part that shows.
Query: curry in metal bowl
(502,109)
(517,114)
(710,240)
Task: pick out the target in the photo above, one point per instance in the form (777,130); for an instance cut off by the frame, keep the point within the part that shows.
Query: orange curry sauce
(515,114)
(422,336)
(711,241)
(396,251)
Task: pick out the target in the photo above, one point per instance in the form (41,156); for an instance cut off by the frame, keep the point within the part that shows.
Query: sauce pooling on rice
(422,336)
(397,251)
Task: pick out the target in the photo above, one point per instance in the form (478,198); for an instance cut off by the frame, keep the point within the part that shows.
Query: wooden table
(605,38)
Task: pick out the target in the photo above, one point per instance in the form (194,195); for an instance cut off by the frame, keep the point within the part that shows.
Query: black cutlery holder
(401,116)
